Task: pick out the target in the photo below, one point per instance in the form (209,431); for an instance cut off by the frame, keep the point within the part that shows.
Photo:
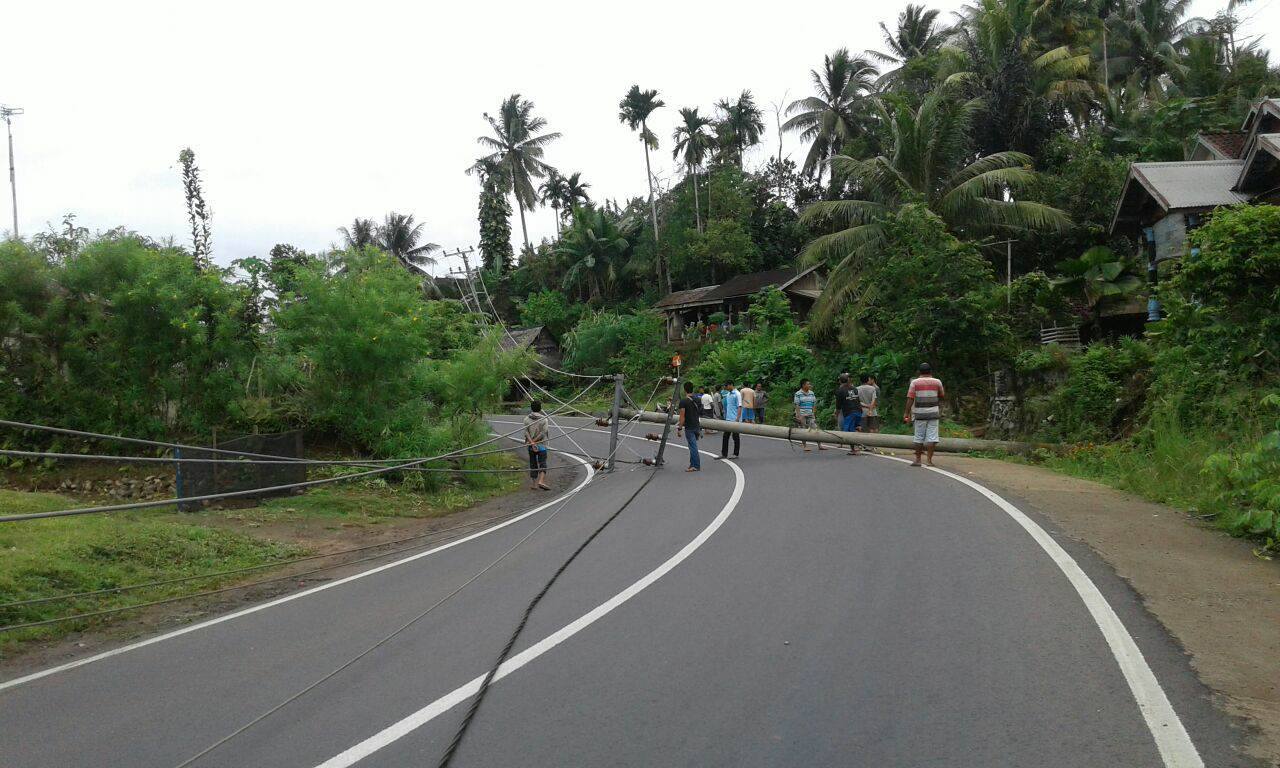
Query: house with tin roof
(1161,203)
(684,309)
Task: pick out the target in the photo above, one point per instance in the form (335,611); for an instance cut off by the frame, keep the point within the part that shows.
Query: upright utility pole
(615,414)
(7,113)
(469,297)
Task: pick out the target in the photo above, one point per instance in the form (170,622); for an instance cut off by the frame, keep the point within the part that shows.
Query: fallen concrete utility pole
(871,439)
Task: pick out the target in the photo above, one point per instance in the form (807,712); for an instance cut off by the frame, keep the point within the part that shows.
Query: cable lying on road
(456,742)
(387,638)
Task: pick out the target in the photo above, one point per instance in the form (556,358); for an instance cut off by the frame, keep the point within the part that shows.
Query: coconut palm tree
(930,160)
(552,193)
(399,235)
(1146,37)
(592,250)
(1028,81)
(740,125)
(830,118)
(518,144)
(916,36)
(692,141)
(634,110)
(362,234)
(575,192)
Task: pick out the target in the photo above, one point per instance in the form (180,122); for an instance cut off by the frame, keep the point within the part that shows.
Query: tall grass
(1174,465)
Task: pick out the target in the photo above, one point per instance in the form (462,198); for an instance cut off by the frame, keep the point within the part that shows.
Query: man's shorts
(806,421)
(749,414)
(926,431)
(537,461)
(850,421)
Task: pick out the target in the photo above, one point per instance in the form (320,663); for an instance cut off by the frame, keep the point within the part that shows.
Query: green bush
(1104,391)
(128,337)
(124,337)
(363,357)
(551,309)
(608,342)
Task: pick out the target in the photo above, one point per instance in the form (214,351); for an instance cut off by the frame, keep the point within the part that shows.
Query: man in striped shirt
(924,411)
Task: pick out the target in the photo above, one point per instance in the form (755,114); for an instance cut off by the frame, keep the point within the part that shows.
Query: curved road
(794,609)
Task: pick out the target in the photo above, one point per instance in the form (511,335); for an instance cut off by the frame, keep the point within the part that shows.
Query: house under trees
(696,307)
(1162,202)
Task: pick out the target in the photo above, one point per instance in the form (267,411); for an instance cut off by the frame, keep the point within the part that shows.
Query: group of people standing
(857,410)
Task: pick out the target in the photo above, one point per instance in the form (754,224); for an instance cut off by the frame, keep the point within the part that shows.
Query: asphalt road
(794,609)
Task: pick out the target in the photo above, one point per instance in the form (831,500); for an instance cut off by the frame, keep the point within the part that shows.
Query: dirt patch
(1210,591)
(318,536)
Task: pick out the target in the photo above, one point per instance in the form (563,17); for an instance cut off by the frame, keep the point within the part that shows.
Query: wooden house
(1161,203)
(685,309)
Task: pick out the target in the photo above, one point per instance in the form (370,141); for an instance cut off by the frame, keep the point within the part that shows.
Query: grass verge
(1184,469)
(44,558)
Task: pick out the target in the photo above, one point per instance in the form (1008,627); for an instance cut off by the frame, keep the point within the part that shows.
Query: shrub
(1103,393)
(607,342)
(551,309)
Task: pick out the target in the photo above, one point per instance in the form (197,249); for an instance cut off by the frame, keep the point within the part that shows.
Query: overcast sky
(305,115)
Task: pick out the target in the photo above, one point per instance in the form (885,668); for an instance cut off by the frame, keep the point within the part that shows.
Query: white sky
(305,115)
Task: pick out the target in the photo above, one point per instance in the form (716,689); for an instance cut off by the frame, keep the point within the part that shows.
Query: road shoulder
(1217,599)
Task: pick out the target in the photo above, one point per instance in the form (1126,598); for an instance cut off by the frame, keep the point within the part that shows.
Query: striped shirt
(928,393)
(804,401)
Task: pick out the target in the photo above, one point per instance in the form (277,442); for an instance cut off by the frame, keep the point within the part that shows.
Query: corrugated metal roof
(519,338)
(683,298)
(1191,184)
(1271,143)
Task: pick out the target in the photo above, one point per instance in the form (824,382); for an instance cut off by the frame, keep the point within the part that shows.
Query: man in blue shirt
(732,405)
(806,403)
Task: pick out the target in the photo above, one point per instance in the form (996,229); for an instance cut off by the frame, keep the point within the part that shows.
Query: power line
(256,491)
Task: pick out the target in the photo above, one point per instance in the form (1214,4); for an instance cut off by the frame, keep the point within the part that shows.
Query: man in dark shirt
(690,408)
(848,408)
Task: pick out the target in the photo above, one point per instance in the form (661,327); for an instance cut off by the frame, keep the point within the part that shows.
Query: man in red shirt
(924,411)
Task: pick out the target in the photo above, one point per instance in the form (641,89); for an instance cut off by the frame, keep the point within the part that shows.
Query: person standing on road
(690,413)
(717,403)
(869,397)
(748,396)
(805,402)
(761,399)
(535,439)
(924,411)
(705,406)
(848,409)
(732,406)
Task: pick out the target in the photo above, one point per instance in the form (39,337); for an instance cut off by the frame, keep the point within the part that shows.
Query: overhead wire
(247,569)
(253,491)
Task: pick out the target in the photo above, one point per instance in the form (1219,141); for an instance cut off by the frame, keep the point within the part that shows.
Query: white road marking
(1171,737)
(1172,740)
(297,595)
(443,704)
(1167,730)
